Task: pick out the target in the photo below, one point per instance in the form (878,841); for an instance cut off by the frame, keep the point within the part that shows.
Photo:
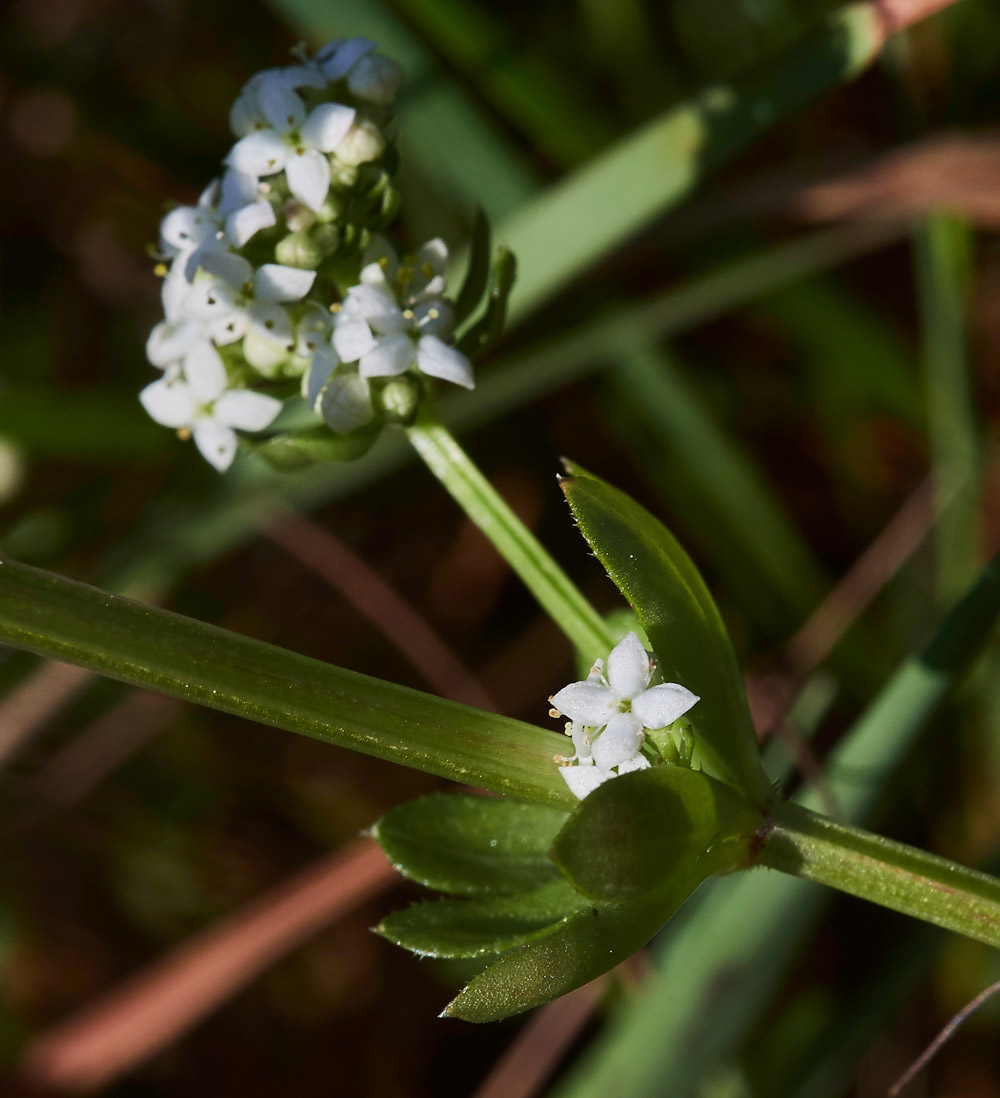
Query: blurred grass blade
(749,927)
(718,470)
(593,212)
(442,131)
(188,659)
(943,260)
(681,620)
(522,88)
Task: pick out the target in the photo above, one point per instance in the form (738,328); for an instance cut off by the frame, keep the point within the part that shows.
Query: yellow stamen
(160,270)
(183,434)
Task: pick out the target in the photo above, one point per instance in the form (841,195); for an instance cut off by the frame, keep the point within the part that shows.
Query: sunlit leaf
(476,928)
(469,845)
(634,833)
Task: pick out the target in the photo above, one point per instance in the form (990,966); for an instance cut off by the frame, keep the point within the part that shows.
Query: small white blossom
(236,302)
(294,141)
(201,404)
(229,212)
(397,318)
(610,714)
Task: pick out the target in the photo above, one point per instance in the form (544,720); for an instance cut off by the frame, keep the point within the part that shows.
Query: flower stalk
(550,585)
(894,875)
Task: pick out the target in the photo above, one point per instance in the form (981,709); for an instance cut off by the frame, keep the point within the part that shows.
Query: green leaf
(634,833)
(469,845)
(478,928)
(681,620)
(571,954)
(146,646)
(478,274)
(486,331)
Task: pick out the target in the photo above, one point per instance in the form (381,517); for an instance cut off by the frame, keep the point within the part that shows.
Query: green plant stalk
(555,592)
(936,890)
(943,262)
(188,659)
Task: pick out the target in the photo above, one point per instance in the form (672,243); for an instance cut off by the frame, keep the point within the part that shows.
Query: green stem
(555,592)
(891,874)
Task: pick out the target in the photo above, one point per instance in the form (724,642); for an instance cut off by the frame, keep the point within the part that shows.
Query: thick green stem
(556,593)
(888,873)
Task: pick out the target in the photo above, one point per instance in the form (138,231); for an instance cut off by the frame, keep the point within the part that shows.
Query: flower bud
(400,397)
(363,142)
(299,216)
(299,250)
(375,78)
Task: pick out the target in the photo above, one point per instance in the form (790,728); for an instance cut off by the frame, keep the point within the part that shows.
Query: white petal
(279,104)
(216,441)
(392,354)
(270,321)
(227,267)
(186,227)
(246,410)
(437,359)
(169,402)
(273,282)
(583,779)
(637,762)
(663,704)
(229,327)
(326,126)
(377,306)
(337,57)
(352,338)
(242,224)
(618,742)
(259,153)
(308,175)
(170,342)
(345,403)
(581,741)
(628,667)
(205,373)
(210,299)
(379,261)
(324,362)
(375,78)
(238,189)
(589,703)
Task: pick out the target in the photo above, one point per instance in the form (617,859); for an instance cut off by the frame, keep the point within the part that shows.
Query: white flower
(247,112)
(385,337)
(294,142)
(611,713)
(237,302)
(229,211)
(369,75)
(201,404)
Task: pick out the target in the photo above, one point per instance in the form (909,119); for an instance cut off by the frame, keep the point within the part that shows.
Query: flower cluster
(278,281)
(610,713)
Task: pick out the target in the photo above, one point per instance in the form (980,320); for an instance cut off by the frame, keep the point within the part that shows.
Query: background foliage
(775,368)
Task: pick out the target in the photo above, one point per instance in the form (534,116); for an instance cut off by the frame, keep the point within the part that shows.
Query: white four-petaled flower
(611,712)
(202,404)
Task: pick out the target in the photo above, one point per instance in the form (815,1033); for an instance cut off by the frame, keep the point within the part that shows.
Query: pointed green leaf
(477,928)
(681,620)
(571,954)
(478,274)
(485,332)
(469,845)
(632,834)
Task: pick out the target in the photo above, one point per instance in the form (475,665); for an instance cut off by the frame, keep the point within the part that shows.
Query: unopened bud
(299,216)
(298,250)
(400,398)
(364,142)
